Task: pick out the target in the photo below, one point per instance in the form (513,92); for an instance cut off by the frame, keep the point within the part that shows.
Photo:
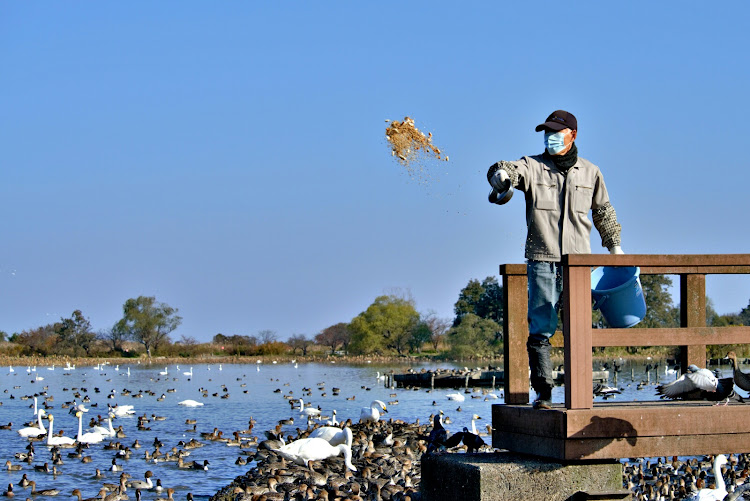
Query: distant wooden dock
(470,378)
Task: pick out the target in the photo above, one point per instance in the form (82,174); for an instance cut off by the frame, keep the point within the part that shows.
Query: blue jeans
(545,289)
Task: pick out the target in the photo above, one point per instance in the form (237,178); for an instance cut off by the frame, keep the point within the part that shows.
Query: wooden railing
(579,335)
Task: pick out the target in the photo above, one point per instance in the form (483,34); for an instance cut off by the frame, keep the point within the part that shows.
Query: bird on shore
(741,379)
(472,441)
(720,491)
(306,450)
(438,435)
(371,414)
(333,435)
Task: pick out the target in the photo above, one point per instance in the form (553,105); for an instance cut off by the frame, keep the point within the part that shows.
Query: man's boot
(541,371)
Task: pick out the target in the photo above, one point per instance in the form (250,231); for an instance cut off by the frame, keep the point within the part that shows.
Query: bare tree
(267,336)
(301,342)
(438,327)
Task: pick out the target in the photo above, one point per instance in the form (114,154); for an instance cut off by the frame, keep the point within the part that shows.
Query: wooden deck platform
(623,429)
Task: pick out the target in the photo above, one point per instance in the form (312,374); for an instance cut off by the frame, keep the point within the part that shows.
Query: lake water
(252,390)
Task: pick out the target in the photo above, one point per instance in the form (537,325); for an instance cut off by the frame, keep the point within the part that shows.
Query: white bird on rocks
(315,449)
(372,414)
(190,403)
(333,435)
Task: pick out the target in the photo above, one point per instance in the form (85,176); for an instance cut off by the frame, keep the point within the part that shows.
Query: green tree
(75,334)
(3,336)
(386,324)
(660,310)
(473,337)
(148,322)
(484,300)
(420,335)
(115,336)
(745,315)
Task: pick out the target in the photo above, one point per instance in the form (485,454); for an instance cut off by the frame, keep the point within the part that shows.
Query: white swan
(379,377)
(57,440)
(190,403)
(309,411)
(721,489)
(86,438)
(372,414)
(34,431)
(142,484)
(105,432)
(473,423)
(190,373)
(165,372)
(315,449)
(333,421)
(122,410)
(333,435)
(456,396)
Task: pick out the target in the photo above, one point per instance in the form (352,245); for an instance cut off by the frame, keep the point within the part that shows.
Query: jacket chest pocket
(582,198)
(546,196)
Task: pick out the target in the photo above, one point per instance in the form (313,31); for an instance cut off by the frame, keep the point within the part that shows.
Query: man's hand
(616,249)
(500,181)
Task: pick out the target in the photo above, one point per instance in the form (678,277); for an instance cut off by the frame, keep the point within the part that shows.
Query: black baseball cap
(559,120)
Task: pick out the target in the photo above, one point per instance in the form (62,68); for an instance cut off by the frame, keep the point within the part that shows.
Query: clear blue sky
(229,157)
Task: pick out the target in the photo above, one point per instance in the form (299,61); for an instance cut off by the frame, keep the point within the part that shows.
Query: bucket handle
(600,301)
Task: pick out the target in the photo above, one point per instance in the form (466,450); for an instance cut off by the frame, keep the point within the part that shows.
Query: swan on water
(122,410)
(105,432)
(372,414)
(188,373)
(315,449)
(86,438)
(34,431)
(721,489)
(190,403)
(57,440)
(165,372)
(309,411)
(455,396)
(333,435)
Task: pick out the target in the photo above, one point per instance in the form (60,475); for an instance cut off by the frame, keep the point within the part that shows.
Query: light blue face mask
(554,142)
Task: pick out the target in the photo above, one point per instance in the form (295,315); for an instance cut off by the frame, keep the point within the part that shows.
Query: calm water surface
(252,392)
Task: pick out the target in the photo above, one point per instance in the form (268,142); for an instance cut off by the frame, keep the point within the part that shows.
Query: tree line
(391,325)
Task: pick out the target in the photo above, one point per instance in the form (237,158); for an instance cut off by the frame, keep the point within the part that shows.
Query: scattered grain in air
(412,148)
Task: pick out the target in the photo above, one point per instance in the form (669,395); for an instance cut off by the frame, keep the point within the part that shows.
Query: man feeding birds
(560,189)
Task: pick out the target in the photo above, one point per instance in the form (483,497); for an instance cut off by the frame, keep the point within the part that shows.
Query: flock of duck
(367,457)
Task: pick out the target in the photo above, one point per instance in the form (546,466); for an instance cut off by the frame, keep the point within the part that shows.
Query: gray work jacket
(557,205)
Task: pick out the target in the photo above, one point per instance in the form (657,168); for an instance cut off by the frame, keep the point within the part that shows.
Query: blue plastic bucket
(617,293)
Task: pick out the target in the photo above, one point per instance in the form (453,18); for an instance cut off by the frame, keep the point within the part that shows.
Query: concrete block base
(500,476)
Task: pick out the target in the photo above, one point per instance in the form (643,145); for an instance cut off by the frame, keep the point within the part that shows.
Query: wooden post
(692,314)
(577,335)
(516,332)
